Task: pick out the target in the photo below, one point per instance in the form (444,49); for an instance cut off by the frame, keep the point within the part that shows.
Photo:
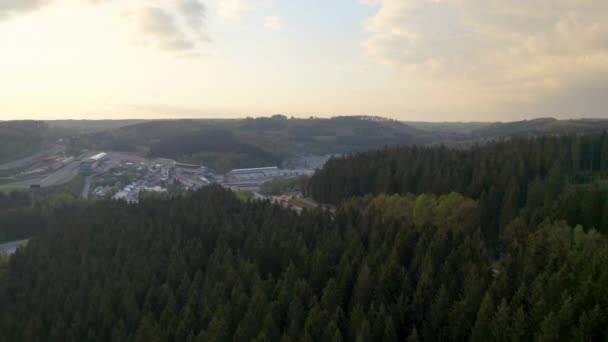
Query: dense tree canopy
(23,214)
(504,241)
(210,267)
(563,174)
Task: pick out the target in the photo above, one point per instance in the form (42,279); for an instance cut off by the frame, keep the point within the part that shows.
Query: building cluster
(159,174)
(89,165)
(253,179)
(193,177)
(153,181)
(130,193)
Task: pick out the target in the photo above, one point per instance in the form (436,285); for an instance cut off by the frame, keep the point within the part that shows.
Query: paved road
(86,187)
(58,177)
(62,176)
(9,248)
(26,183)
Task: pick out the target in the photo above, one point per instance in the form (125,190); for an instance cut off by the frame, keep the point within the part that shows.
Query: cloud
(164,29)
(179,26)
(12,7)
(157,27)
(273,23)
(194,13)
(504,50)
(232,9)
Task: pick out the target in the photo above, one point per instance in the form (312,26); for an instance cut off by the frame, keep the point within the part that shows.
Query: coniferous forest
(501,242)
(548,177)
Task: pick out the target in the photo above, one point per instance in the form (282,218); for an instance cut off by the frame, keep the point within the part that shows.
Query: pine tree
(413,336)
(483,323)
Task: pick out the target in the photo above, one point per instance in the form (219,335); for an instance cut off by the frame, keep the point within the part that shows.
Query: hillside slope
(225,144)
(22,138)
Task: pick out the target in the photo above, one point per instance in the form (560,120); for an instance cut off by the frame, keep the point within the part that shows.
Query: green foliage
(424,210)
(24,214)
(424,244)
(552,177)
(244,195)
(208,266)
(8,190)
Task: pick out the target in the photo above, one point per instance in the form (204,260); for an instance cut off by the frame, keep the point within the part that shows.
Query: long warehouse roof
(255,169)
(98,156)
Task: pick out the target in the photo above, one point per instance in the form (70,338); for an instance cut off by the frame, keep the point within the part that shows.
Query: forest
(505,241)
(210,267)
(560,177)
(23,214)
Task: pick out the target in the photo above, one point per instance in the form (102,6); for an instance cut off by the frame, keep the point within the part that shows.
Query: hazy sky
(432,60)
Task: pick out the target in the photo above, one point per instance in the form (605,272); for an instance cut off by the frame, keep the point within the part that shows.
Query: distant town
(124,176)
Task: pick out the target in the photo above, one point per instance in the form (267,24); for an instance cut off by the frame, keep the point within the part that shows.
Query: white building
(266,173)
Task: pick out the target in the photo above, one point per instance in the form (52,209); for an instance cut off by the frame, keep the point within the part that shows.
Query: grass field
(10,189)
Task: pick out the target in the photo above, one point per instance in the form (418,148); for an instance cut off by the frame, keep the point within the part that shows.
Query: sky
(423,60)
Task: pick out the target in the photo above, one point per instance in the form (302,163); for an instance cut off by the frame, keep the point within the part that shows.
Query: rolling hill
(225,144)
(22,138)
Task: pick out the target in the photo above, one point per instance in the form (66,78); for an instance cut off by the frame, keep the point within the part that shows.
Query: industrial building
(265,173)
(255,173)
(89,165)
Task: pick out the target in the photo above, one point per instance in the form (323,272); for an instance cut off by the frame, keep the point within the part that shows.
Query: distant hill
(544,126)
(448,127)
(22,138)
(92,125)
(225,144)
(526,127)
(465,133)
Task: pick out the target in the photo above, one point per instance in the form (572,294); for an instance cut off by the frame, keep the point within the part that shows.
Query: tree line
(565,176)
(24,214)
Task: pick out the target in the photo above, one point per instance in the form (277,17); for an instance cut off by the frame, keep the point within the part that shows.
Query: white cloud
(157,27)
(12,7)
(273,23)
(177,29)
(9,8)
(503,51)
